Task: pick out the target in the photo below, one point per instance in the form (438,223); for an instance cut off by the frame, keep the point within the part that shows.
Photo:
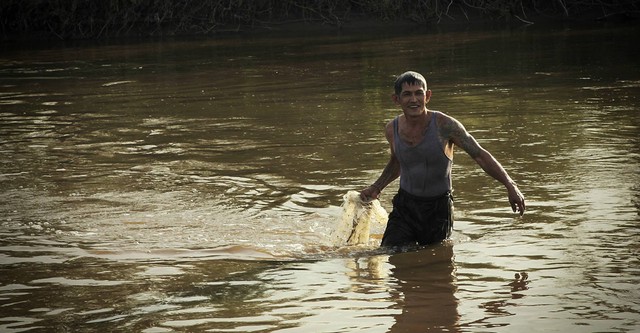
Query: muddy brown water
(192,185)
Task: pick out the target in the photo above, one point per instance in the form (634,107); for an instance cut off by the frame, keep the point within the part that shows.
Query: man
(422,142)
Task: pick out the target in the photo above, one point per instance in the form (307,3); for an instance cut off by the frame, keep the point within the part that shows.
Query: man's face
(412,99)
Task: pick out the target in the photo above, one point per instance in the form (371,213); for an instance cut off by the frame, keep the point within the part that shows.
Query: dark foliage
(67,19)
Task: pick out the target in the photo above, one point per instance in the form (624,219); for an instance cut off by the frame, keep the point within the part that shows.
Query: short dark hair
(411,78)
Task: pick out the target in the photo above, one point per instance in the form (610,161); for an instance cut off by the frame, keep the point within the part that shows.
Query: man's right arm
(390,173)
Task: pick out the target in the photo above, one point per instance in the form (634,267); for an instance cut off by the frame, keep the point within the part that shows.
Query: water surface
(194,184)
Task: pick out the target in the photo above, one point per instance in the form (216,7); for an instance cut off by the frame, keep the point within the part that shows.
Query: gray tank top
(425,170)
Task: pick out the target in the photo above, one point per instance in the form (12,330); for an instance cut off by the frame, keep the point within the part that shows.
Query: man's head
(411,94)
(410,78)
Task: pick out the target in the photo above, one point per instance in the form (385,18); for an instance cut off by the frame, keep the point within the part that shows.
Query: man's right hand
(369,194)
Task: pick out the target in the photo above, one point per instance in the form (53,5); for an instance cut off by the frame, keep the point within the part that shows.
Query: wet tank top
(425,170)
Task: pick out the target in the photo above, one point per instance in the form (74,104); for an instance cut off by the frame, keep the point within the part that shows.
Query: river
(194,184)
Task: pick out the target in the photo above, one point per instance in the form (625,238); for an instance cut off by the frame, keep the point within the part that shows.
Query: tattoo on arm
(455,131)
(470,145)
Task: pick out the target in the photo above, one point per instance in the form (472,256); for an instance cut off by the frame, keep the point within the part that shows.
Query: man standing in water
(422,143)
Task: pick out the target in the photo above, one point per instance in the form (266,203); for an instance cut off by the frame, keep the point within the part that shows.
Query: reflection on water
(194,185)
(428,301)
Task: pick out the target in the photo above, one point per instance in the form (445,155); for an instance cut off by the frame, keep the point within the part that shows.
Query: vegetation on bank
(69,19)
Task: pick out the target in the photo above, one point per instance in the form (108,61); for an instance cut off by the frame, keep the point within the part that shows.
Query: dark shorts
(417,220)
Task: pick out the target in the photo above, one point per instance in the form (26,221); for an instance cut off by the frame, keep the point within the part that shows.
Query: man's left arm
(463,139)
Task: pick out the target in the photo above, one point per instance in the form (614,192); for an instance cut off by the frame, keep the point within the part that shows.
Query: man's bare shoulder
(448,125)
(451,130)
(388,130)
(443,118)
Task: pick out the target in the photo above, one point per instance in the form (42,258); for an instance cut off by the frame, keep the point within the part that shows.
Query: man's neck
(417,120)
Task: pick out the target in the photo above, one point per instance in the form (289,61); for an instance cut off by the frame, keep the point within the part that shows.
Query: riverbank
(76,19)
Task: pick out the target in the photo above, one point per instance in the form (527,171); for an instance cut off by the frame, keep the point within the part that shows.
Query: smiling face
(413,99)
